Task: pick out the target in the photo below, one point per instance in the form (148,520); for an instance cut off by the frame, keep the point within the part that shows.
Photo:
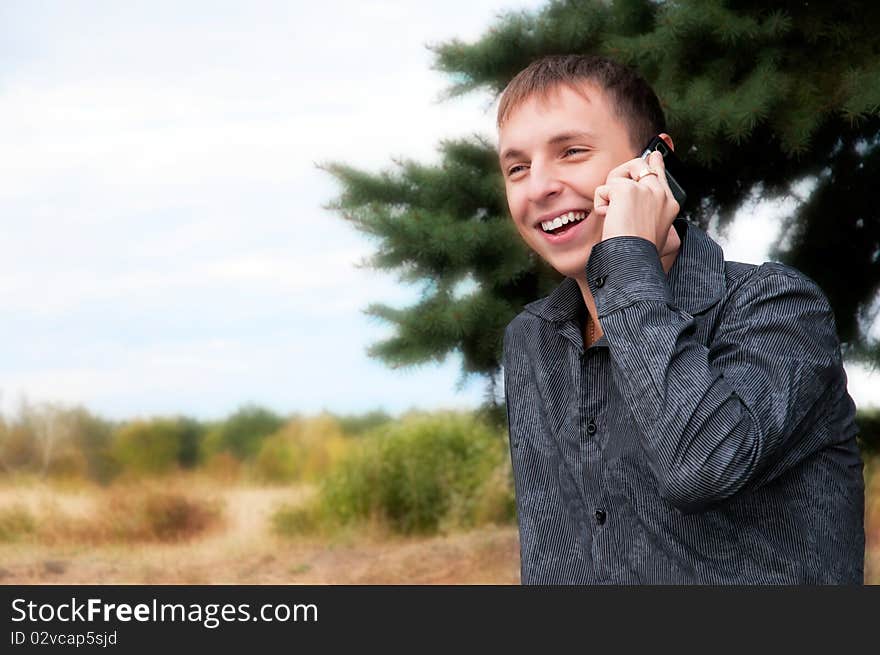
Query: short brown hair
(633,98)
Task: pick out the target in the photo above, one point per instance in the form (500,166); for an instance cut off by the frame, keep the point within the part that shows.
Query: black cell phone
(673,166)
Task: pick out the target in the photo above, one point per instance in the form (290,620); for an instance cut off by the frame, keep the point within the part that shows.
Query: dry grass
(872,520)
(244,551)
(127,513)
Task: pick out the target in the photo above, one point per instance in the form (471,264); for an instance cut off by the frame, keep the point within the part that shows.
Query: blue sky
(164,247)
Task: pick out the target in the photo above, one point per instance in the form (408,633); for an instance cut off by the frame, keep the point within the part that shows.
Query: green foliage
(304,449)
(868,421)
(18,446)
(277,460)
(242,434)
(421,474)
(92,437)
(191,432)
(446,227)
(51,440)
(15,523)
(758,99)
(148,446)
(357,424)
(295,520)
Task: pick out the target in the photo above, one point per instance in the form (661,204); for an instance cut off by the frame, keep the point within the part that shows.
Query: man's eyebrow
(513,153)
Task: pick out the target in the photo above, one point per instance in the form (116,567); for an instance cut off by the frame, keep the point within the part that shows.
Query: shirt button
(591,427)
(600,281)
(600,516)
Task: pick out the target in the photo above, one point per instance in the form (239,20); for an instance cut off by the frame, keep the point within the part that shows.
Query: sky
(165,249)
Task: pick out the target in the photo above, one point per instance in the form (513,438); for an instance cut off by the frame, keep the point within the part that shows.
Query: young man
(674,417)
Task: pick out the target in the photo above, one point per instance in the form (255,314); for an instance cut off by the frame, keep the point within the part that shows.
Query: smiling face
(554,152)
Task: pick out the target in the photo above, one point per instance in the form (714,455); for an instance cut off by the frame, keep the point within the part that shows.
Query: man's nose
(543,184)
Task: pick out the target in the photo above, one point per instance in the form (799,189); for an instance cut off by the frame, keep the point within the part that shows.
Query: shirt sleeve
(715,420)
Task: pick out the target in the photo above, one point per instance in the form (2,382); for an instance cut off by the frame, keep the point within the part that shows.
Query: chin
(571,264)
(570,267)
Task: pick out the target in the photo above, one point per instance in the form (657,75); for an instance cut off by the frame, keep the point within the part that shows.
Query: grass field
(242,550)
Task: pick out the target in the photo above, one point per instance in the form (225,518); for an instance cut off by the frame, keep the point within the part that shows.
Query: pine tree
(760,98)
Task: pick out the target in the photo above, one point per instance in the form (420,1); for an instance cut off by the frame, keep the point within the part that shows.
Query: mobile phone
(673,166)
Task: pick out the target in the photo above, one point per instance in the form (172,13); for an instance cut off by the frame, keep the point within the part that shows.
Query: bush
(130,515)
(148,447)
(242,434)
(52,440)
(303,450)
(170,516)
(357,424)
(292,520)
(421,474)
(92,438)
(15,522)
(190,434)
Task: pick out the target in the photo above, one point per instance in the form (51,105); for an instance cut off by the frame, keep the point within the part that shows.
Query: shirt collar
(696,279)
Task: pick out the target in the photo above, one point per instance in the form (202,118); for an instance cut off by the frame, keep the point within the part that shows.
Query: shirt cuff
(623,270)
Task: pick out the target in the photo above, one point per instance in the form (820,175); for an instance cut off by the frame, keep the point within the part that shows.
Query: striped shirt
(706,438)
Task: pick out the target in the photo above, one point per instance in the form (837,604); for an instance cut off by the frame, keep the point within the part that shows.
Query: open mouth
(562,225)
(562,230)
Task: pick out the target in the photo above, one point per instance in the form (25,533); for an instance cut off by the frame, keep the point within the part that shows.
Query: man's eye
(575,150)
(514,170)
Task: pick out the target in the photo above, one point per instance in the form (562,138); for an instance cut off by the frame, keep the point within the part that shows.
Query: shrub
(171,516)
(130,515)
(293,520)
(243,433)
(422,473)
(15,522)
(303,450)
(93,438)
(357,424)
(276,461)
(53,440)
(148,446)
(190,434)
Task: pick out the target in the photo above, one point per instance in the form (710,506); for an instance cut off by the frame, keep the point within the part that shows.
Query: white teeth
(562,219)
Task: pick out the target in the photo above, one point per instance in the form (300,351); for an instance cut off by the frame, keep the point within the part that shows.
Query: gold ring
(645,172)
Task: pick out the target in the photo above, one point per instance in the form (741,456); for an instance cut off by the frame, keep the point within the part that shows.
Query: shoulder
(536,314)
(754,282)
(780,307)
(521,324)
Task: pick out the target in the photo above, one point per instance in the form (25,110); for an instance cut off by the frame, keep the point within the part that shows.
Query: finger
(656,161)
(627,170)
(657,179)
(659,165)
(601,196)
(602,193)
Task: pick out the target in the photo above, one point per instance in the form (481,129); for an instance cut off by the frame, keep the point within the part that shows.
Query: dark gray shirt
(707,437)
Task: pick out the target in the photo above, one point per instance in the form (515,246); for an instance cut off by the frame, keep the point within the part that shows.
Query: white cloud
(164,244)
(269,273)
